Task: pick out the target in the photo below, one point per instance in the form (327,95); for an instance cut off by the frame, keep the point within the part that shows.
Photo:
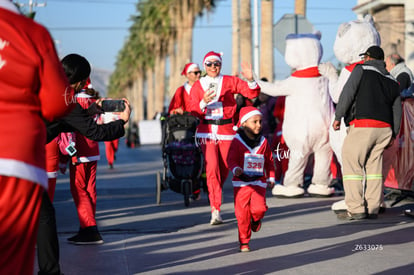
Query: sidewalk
(298,236)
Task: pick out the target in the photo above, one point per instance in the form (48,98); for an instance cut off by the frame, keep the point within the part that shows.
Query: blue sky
(97,29)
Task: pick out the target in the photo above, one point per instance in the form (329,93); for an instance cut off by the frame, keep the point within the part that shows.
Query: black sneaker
(256,225)
(88,235)
(351,216)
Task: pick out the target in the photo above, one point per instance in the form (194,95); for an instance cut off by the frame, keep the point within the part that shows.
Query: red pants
(249,202)
(19,215)
(110,149)
(215,155)
(83,189)
(52,167)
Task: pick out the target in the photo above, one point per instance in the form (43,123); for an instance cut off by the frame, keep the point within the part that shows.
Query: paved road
(299,236)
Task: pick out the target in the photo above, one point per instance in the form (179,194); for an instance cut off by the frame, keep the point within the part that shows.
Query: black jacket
(370,93)
(81,120)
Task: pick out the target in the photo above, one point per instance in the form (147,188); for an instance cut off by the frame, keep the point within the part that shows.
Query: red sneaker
(244,247)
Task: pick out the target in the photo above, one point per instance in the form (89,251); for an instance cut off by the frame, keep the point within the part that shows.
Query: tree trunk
(246,31)
(266,40)
(159,83)
(235,59)
(150,93)
(138,98)
(300,7)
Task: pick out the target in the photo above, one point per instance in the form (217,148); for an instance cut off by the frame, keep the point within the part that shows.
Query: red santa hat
(189,67)
(245,114)
(212,56)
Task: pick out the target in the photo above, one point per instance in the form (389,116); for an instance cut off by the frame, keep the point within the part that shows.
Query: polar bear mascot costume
(352,39)
(308,111)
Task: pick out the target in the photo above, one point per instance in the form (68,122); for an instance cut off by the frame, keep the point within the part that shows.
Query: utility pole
(32,4)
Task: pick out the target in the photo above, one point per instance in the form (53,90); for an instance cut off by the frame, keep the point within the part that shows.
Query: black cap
(374,52)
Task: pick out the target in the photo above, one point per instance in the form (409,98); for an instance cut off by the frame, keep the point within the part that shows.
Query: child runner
(251,162)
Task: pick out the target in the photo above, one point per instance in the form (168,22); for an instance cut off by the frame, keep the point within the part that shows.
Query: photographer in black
(77,69)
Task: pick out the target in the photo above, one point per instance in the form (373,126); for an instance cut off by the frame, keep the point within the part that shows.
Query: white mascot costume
(352,39)
(308,111)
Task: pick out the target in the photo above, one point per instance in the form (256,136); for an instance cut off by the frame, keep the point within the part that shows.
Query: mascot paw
(287,191)
(328,69)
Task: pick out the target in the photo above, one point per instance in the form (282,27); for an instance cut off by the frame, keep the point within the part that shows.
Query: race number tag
(214,110)
(253,164)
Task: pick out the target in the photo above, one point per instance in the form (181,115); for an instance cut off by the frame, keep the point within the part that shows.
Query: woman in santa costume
(212,100)
(83,177)
(33,88)
(251,162)
(181,101)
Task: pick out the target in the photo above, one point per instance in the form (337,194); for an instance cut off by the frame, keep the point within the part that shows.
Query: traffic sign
(289,23)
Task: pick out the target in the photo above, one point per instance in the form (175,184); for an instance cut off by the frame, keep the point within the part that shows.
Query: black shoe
(337,185)
(88,235)
(372,216)
(256,225)
(351,216)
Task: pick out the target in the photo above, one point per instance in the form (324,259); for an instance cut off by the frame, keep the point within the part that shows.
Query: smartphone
(212,88)
(113,105)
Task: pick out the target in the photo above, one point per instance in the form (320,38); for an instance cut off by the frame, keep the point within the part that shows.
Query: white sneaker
(339,206)
(287,191)
(319,190)
(215,217)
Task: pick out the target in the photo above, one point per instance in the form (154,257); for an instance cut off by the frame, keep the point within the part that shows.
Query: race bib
(253,164)
(214,111)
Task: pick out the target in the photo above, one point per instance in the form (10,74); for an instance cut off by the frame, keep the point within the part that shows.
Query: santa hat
(189,67)
(245,114)
(88,84)
(212,56)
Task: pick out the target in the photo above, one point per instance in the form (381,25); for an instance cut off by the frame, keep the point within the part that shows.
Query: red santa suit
(250,196)
(33,87)
(215,131)
(181,99)
(83,173)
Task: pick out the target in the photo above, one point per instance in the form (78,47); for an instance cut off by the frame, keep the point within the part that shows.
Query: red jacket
(227,87)
(181,99)
(87,150)
(236,158)
(33,87)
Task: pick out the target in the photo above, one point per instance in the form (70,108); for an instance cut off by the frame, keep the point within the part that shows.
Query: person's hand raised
(247,71)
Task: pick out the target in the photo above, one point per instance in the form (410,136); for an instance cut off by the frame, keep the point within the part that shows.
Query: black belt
(218,121)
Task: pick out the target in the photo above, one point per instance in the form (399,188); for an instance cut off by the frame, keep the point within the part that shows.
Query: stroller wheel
(159,184)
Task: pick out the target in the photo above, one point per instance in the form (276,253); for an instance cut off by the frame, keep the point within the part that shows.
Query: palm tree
(235,37)
(300,7)
(266,40)
(161,32)
(246,31)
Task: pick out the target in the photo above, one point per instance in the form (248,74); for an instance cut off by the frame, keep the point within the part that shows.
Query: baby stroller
(182,158)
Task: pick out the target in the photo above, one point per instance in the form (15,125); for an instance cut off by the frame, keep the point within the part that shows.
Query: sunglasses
(209,64)
(196,73)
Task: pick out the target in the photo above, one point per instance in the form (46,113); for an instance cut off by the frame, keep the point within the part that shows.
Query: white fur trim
(249,115)
(22,170)
(88,159)
(192,67)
